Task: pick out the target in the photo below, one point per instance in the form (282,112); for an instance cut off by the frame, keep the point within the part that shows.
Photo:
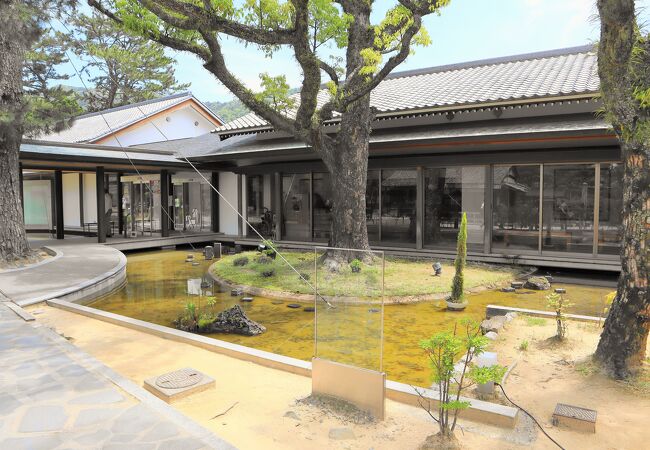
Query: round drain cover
(179,379)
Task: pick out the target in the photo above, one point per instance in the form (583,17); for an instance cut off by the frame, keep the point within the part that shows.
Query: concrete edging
(479,411)
(496,310)
(88,289)
(54,253)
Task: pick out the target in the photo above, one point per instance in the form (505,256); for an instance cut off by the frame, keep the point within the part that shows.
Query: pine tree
(457,286)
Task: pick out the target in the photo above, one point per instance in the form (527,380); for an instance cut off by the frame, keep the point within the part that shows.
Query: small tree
(457,286)
(443,349)
(559,304)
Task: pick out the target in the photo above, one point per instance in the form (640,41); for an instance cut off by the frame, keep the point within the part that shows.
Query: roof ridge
(492,61)
(134,105)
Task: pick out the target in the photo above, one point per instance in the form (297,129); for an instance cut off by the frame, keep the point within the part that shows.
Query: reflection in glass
(610,228)
(372,205)
(568,210)
(296,224)
(448,192)
(322,204)
(398,198)
(255,202)
(38,199)
(515,207)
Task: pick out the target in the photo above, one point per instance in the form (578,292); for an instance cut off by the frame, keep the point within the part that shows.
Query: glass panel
(515,208)
(568,210)
(322,201)
(372,205)
(111,184)
(448,192)
(206,207)
(398,198)
(194,214)
(255,202)
(154,206)
(296,223)
(179,214)
(349,307)
(38,199)
(610,225)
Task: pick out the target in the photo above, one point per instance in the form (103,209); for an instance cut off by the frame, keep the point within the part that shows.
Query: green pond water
(157,290)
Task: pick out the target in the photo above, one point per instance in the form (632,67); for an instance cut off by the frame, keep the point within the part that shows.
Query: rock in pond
(247,299)
(493,324)
(309,309)
(277,302)
(560,291)
(294,305)
(491,335)
(517,284)
(235,321)
(236,292)
(538,284)
(508,289)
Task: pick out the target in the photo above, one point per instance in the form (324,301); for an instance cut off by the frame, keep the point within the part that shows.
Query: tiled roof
(90,127)
(562,72)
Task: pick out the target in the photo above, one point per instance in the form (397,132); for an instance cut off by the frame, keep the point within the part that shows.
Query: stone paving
(54,396)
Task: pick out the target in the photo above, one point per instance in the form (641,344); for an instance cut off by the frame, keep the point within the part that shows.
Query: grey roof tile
(535,75)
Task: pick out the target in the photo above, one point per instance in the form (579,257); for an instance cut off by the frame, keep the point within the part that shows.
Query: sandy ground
(262,397)
(548,373)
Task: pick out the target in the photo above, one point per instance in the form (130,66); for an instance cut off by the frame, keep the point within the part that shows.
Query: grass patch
(535,321)
(523,346)
(403,277)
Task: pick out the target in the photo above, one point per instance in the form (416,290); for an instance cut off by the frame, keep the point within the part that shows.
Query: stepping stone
(278,302)
(508,289)
(195,263)
(247,299)
(294,305)
(236,292)
(309,309)
(560,291)
(575,418)
(517,284)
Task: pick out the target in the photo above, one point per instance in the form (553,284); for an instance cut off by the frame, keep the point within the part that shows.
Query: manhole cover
(179,379)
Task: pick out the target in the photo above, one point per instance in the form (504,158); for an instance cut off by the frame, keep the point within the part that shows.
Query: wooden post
(58,203)
(101,207)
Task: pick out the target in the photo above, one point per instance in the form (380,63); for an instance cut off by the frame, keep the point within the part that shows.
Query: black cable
(529,415)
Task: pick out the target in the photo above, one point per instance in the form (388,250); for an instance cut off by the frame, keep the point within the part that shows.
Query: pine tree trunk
(622,346)
(13,240)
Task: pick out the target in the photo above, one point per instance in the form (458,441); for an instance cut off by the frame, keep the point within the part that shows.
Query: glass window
(515,207)
(610,225)
(255,202)
(568,209)
(322,203)
(372,205)
(398,198)
(448,192)
(38,199)
(296,208)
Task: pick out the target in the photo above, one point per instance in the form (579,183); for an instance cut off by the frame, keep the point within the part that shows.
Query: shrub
(559,305)
(240,262)
(204,321)
(264,260)
(304,276)
(457,285)
(268,273)
(524,345)
(355,265)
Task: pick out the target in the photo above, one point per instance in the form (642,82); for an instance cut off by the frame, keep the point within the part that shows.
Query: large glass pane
(38,199)
(178,208)
(349,307)
(610,225)
(372,205)
(296,223)
(322,203)
(568,210)
(448,192)
(515,208)
(206,207)
(255,202)
(398,198)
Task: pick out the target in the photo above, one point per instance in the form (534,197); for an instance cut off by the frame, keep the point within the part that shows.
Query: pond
(157,291)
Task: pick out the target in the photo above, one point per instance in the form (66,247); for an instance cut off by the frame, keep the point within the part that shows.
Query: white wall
(71,216)
(227,216)
(90,198)
(181,124)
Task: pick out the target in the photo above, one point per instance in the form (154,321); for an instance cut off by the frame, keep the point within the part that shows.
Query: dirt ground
(548,373)
(263,409)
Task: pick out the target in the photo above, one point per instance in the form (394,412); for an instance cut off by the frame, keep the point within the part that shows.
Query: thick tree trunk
(622,346)
(13,240)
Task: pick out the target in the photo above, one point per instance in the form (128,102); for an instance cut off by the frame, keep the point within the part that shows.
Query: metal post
(164,203)
(277,204)
(487,210)
(58,203)
(101,207)
(120,209)
(419,208)
(239,205)
(596,208)
(541,208)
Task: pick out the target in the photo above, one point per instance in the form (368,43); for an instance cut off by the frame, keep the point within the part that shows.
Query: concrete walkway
(80,270)
(52,395)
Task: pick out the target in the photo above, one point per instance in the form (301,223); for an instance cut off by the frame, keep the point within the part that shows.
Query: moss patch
(402,277)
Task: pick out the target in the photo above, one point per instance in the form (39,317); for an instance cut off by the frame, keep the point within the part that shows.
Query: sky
(466,30)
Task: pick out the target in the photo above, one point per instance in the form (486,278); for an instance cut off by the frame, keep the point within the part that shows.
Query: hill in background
(228,110)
